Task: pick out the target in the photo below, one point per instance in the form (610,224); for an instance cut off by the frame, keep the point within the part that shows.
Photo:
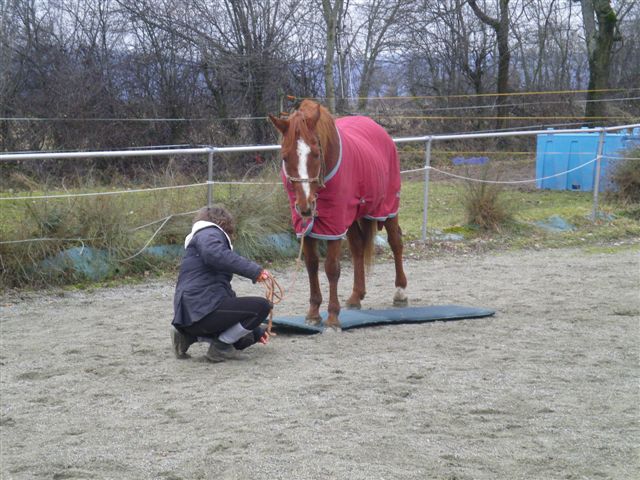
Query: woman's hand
(264,339)
(264,276)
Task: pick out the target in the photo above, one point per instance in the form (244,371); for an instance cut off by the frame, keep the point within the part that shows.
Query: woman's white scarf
(199,225)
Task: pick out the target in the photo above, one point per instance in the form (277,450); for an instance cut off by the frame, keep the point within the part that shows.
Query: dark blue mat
(364,318)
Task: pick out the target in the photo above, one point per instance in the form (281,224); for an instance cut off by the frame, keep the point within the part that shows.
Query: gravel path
(547,388)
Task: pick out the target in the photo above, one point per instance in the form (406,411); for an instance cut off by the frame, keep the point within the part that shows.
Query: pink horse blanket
(365,183)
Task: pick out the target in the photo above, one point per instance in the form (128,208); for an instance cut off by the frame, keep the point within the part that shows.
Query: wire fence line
(164,221)
(136,190)
(47,239)
(215,182)
(387,114)
(96,194)
(210,151)
(475,95)
(392,113)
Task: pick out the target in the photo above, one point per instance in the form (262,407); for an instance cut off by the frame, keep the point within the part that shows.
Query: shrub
(483,204)
(258,215)
(625,179)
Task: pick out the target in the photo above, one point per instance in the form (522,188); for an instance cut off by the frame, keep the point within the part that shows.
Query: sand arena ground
(547,388)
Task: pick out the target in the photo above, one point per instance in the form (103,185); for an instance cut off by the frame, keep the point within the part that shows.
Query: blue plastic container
(557,153)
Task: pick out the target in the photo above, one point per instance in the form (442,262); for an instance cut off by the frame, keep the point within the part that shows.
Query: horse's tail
(369,229)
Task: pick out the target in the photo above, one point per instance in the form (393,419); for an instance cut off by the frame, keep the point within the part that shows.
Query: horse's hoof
(332,329)
(313,321)
(400,298)
(354,306)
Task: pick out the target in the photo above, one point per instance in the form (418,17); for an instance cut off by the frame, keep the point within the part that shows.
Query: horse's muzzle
(308,212)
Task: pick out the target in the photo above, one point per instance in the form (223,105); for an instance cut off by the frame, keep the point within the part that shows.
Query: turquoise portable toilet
(559,157)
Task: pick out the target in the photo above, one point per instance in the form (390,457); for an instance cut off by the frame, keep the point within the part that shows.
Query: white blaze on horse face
(303,158)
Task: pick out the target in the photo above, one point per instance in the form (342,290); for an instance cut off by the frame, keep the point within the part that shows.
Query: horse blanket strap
(365,184)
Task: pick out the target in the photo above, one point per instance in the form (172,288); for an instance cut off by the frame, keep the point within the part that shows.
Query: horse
(342,177)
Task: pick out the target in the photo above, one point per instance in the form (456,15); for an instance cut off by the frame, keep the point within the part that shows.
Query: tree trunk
(504,58)
(599,21)
(331,15)
(501,27)
(7,75)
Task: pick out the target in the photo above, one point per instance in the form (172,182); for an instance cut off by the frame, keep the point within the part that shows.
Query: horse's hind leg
(394,237)
(356,238)
(312,260)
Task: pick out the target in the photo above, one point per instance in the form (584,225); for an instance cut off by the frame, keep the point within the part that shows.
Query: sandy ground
(548,388)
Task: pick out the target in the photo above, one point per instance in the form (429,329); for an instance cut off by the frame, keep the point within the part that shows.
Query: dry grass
(625,176)
(484,205)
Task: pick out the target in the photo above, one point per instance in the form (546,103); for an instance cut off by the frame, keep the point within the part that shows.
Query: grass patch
(121,225)
(86,239)
(611,249)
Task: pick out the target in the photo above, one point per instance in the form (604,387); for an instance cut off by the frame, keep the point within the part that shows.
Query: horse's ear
(313,121)
(280,123)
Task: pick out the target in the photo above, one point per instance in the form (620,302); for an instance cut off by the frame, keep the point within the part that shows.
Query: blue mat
(365,318)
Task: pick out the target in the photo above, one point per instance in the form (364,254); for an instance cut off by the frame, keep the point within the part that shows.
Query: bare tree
(84,64)
(380,31)
(332,12)
(599,21)
(625,67)
(9,75)
(469,45)
(241,44)
(500,25)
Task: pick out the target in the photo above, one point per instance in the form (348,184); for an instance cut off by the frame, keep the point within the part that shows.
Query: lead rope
(274,292)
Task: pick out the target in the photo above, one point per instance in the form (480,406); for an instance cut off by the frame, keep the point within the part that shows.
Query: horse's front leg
(332,269)
(312,261)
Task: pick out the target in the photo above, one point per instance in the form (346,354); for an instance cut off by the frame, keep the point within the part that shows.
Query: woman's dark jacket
(205,275)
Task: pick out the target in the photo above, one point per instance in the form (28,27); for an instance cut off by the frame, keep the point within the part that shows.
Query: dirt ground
(547,388)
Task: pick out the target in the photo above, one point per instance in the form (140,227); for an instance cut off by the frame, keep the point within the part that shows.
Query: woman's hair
(219,215)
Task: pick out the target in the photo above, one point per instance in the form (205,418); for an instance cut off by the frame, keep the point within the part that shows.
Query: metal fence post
(210,179)
(425,205)
(596,180)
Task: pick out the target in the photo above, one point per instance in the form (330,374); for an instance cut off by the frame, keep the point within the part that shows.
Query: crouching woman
(205,306)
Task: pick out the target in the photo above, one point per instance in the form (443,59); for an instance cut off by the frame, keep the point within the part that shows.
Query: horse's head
(302,154)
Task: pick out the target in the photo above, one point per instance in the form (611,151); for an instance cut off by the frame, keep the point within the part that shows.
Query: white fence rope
(244,183)
(512,182)
(148,241)
(51,239)
(96,194)
(618,157)
(140,190)
(164,220)
(47,239)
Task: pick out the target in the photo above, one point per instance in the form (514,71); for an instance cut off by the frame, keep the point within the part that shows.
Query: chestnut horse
(343,179)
